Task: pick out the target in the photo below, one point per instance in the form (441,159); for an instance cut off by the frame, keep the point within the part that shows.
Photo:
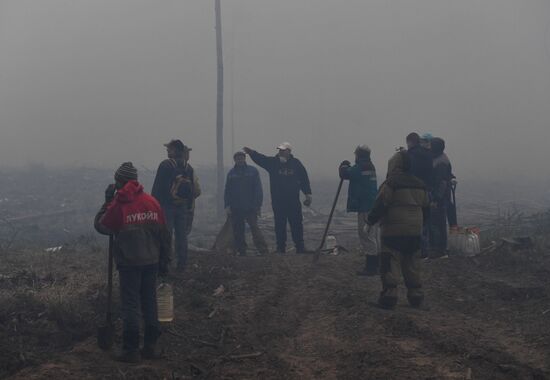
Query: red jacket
(136,220)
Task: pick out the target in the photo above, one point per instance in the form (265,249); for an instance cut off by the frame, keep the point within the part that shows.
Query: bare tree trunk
(219,107)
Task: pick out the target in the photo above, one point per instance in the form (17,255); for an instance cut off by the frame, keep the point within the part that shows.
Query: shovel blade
(105,337)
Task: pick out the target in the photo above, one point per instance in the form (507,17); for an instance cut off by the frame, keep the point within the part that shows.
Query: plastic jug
(471,245)
(464,241)
(165,303)
(330,243)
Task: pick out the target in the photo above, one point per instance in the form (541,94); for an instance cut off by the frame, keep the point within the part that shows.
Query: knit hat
(126,172)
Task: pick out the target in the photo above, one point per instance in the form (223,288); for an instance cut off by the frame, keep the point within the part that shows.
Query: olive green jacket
(400,206)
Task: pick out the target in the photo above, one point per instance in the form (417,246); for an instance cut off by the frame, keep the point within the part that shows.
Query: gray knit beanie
(126,172)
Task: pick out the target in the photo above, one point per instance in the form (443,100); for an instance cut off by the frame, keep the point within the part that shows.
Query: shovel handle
(110,280)
(325,233)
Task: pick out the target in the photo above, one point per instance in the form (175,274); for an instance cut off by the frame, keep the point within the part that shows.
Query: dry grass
(48,301)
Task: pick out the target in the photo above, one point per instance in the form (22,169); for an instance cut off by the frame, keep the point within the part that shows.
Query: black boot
(388,298)
(150,338)
(372,265)
(130,347)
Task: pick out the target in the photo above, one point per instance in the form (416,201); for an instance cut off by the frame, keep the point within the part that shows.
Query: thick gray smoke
(99,82)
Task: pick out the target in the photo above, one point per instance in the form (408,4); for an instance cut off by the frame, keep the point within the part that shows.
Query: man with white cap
(287,177)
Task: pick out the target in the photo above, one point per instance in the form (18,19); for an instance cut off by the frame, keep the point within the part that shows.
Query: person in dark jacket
(421,159)
(441,198)
(243,203)
(287,177)
(141,250)
(400,206)
(178,210)
(361,195)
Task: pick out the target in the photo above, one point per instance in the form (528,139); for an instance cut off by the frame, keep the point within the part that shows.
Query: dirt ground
(285,318)
(278,317)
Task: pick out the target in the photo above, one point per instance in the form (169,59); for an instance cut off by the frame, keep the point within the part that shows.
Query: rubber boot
(388,298)
(130,348)
(150,338)
(415,297)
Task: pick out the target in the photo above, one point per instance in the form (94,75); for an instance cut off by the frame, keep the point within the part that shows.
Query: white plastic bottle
(165,303)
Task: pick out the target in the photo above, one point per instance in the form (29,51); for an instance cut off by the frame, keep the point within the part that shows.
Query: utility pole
(219,107)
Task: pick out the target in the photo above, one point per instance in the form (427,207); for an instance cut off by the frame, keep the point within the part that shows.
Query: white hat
(285,146)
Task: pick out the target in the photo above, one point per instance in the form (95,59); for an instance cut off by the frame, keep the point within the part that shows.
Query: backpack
(181,184)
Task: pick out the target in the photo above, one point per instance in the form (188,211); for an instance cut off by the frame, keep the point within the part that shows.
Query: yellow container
(165,303)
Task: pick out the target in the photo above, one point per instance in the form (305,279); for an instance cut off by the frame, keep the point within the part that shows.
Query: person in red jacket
(142,247)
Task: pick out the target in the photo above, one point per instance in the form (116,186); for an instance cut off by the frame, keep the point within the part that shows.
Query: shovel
(452,216)
(318,251)
(106,333)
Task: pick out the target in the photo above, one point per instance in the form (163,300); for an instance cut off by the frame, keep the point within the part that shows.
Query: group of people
(411,208)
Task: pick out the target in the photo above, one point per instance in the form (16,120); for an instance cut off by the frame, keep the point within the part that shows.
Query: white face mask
(283,159)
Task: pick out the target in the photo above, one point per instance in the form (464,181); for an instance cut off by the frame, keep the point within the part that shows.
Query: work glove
(367,229)
(345,163)
(454,182)
(110,193)
(308,200)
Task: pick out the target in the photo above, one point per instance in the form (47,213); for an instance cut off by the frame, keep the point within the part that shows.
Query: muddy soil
(281,317)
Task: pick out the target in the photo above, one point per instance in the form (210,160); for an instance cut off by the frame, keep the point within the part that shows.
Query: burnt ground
(279,317)
(285,318)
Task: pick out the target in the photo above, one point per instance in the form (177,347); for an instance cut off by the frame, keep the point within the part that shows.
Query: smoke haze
(99,82)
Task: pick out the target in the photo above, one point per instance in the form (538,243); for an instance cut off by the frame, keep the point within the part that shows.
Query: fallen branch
(245,356)
(222,338)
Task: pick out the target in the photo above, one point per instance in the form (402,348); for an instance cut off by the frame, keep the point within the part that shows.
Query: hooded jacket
(285,179)
(137,222)
(442,173)
(243,189)
(401,202)
(362,185)
(421,164)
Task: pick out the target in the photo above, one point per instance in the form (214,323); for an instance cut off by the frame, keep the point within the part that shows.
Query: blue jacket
(243,189)
(363,185)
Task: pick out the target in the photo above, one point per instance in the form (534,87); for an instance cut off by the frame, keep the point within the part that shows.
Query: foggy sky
(98,82)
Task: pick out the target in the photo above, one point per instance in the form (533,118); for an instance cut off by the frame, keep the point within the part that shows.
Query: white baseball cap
(285,146)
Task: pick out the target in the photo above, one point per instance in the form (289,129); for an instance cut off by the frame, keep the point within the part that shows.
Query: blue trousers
(179,220)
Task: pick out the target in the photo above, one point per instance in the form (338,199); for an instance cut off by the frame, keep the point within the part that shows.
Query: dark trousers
(451,210)
(438,228)
(238,219)
(426,226)
(292,213)
(179,220)
(138,292)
